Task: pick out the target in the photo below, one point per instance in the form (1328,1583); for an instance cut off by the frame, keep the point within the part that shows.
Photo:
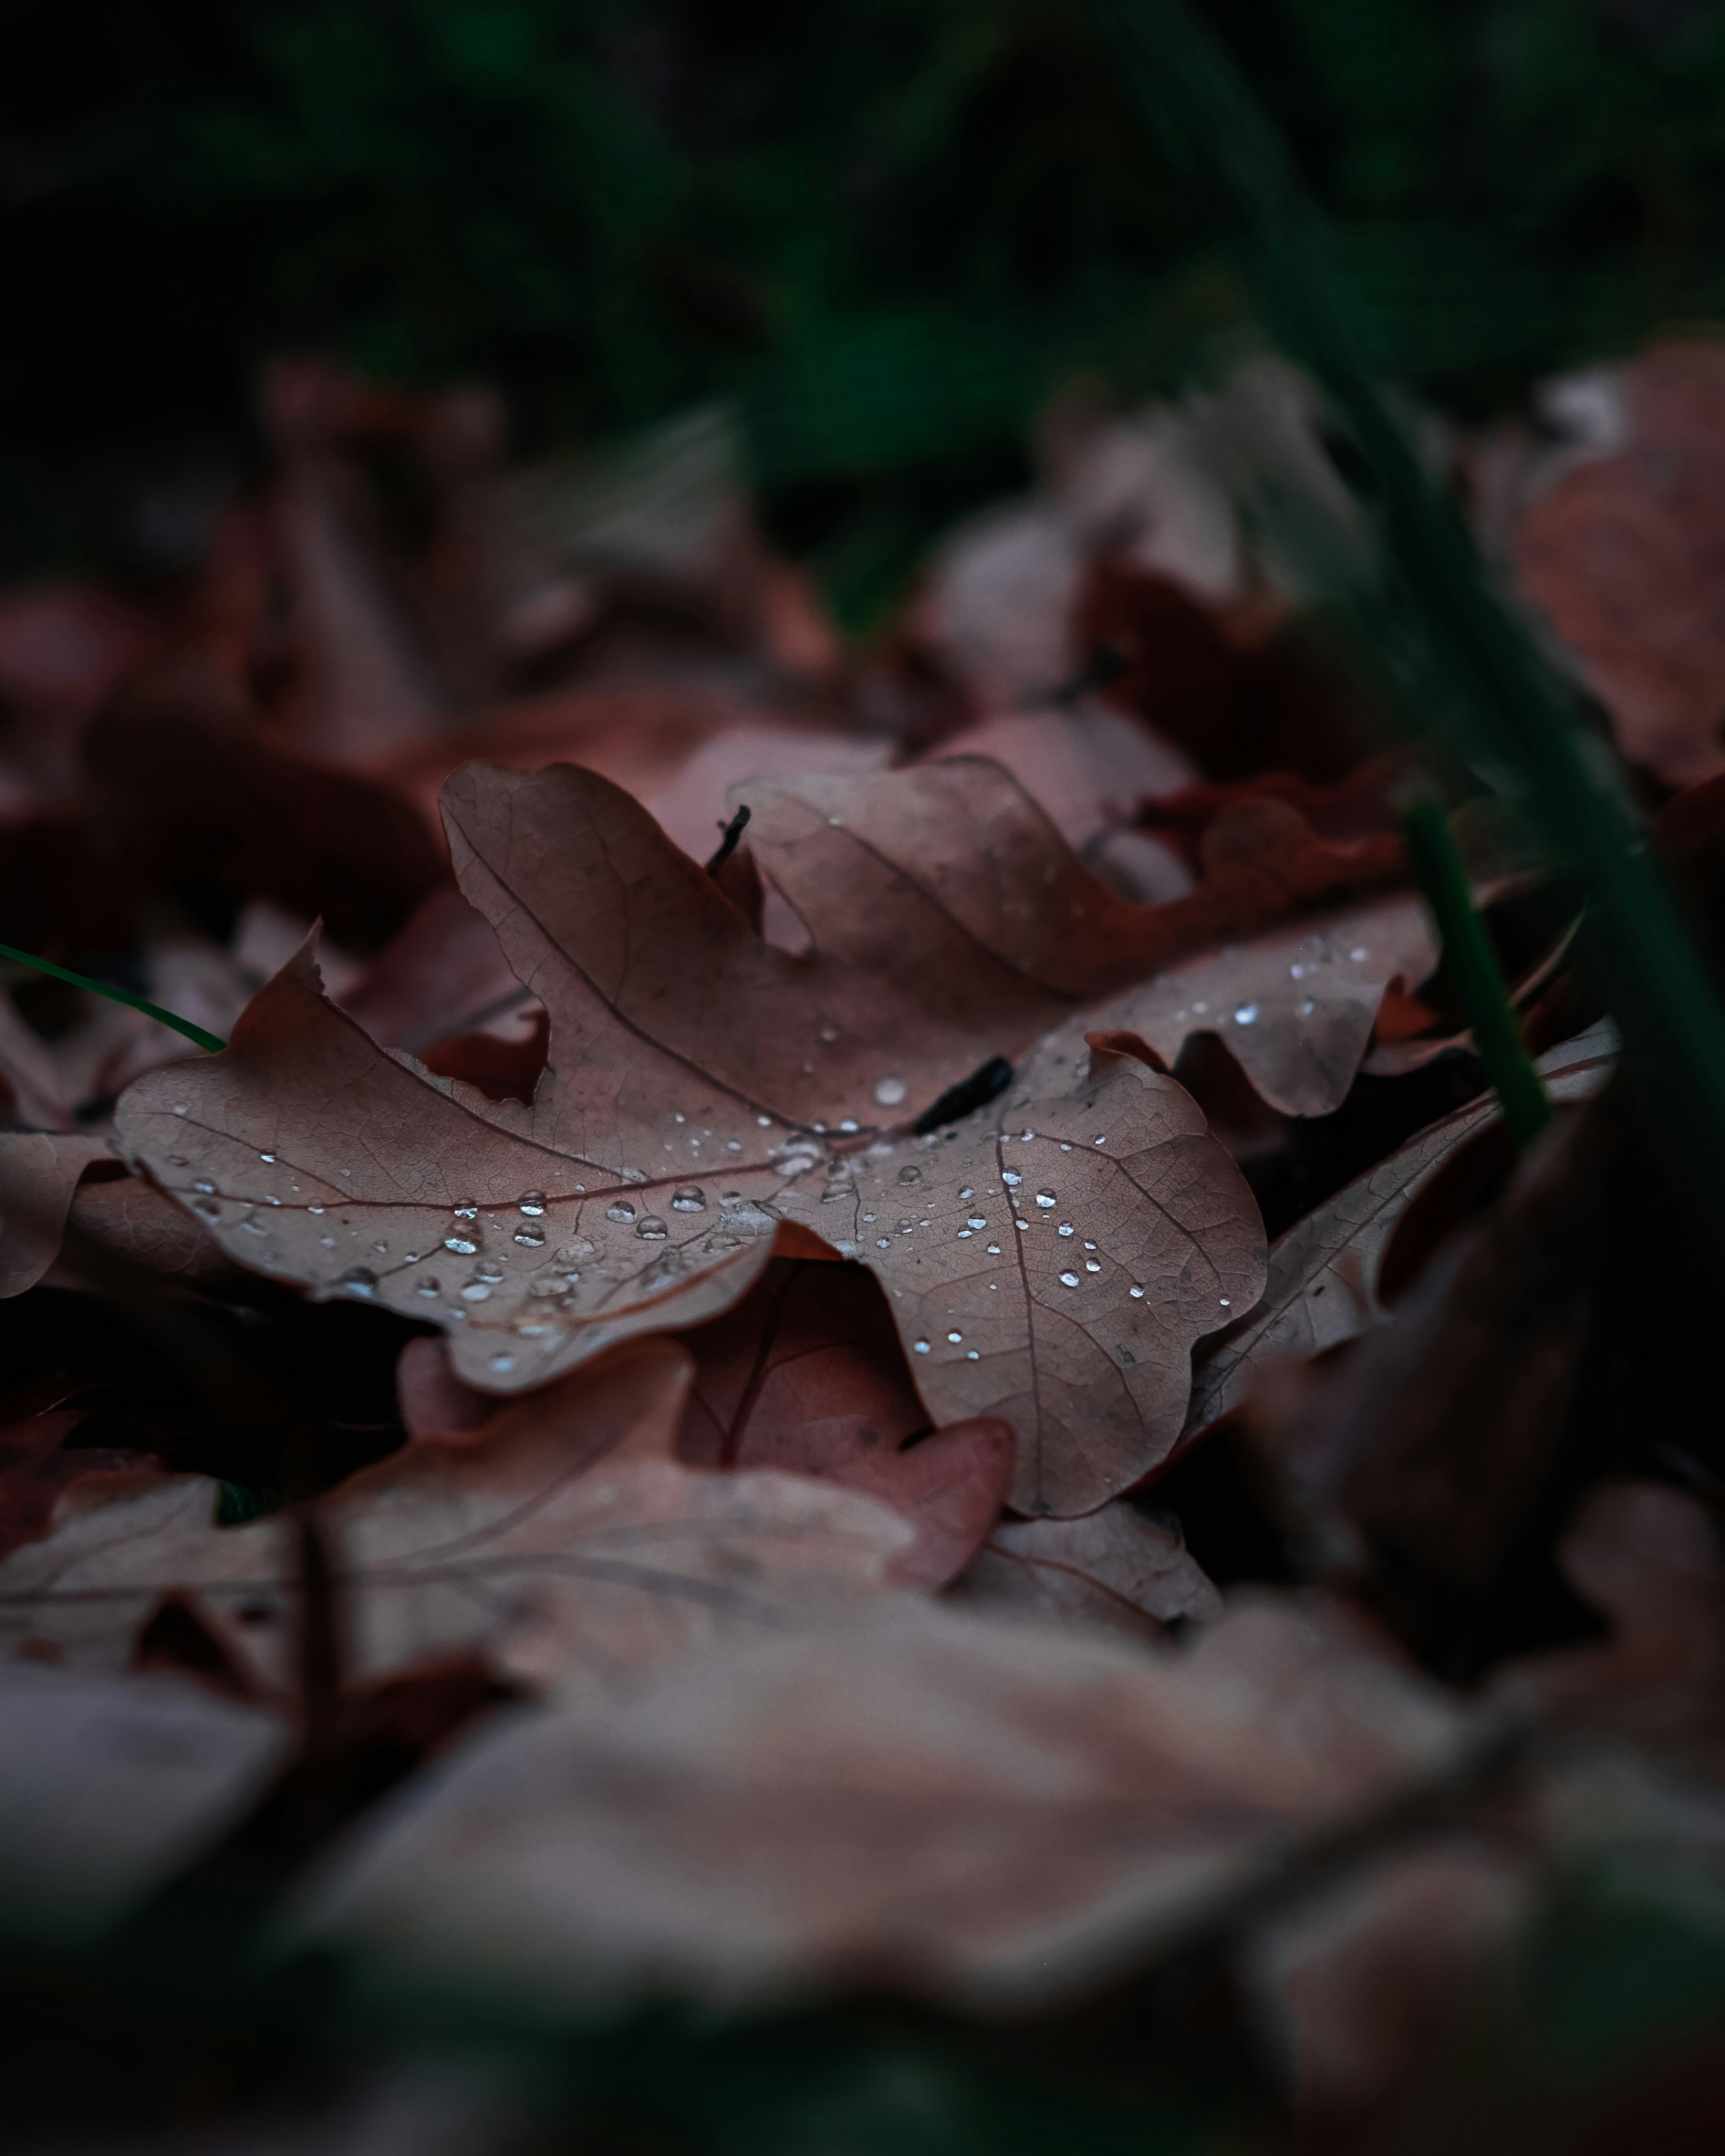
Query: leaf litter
(645,1435)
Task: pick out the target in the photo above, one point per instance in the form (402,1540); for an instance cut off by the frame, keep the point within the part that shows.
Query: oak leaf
(1112,1570)
(565,1543)
(699,1092)
(1327,1279)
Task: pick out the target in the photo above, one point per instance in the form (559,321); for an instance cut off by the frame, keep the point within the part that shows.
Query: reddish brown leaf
(1623,552)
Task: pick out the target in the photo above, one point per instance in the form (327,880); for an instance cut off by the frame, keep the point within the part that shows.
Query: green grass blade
(1509,718)
(211,1041)
(1473,969)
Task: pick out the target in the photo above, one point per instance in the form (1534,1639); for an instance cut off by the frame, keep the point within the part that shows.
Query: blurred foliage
(884,226)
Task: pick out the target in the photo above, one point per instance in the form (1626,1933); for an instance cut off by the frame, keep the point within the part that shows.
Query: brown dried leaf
(1112,1571)
(1620,549)
(688,1111)
(38,1173)
(963,1806)
(1325,1283)
(565,1543)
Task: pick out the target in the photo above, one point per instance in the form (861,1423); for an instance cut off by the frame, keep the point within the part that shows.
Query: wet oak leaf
(39,1173)
(566,1545)
(700,1088)
(963,832)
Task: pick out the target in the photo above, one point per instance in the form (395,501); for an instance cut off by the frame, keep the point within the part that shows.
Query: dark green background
(886,226)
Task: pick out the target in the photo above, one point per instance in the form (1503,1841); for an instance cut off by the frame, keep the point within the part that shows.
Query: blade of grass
(211,1041)
(1473,969)
(1509,718)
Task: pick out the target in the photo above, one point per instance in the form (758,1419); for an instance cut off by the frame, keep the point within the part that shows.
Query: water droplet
(181,1108)
(955,1337)
(476,1290)
(267,1156)
(1226,1303)
(1297,972)
(910,1175)
(977,1221)
(254,1226)
(382,1249)
(796,1157)
(314,1208)
(488,1271)
(411,1257)
(534,1238)
(620,1208)
(836,822)
(359,1279)
(465,1210)
(1090,1246)
(883,1242)
(691,1198)
(1103,1140)
(1021,1224)
(890,1092)
(1136,1292)
(652,1229)
(1247,1014)
(1045,1200)
(637,1174)
(328,1241)
(526,1330)
(1064,1146)
(502,1362)
(531,1202)
(1360,954)
(207,1207)
(205,1185)
(920,1346)
(849,1123)
(575,1253)
(1069,1279)
(1065,1228)
(1011,1177)
(178,1160)
(460,1245)
(429,1289)
(829,1034)
(1307,1006)
(1026,1137)
(993,1249)
(1091,1266)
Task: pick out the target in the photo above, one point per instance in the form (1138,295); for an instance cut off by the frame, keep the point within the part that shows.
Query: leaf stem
(1473,969)
(211,1041)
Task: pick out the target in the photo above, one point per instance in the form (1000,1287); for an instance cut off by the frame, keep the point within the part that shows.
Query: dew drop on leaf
(620,1208)
(359,1279)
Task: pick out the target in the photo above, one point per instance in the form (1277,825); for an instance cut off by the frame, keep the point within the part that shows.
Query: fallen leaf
(38,1173)
(701,1087)
(1112,1571)
(807,1374)
(112,1785)
(567,1546)
(973,1808)
(963,835)
(37,1464)
(1620,549)
(1327,1281)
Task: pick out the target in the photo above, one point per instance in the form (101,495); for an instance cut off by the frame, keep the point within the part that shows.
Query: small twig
(211,1041)
(1473,967)
(727,843)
